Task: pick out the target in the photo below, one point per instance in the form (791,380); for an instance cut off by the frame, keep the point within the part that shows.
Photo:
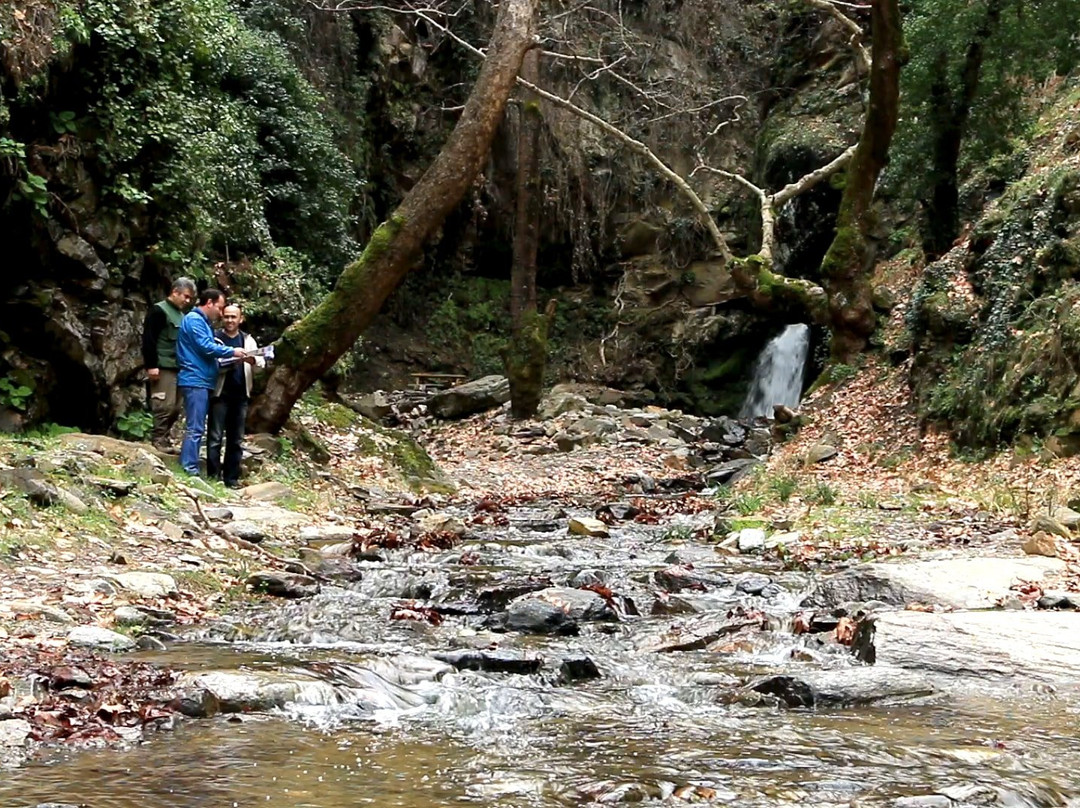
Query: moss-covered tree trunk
(846,267)
(526,356)
(310,346)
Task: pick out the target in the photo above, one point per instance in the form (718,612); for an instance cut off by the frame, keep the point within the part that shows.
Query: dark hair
(209,296)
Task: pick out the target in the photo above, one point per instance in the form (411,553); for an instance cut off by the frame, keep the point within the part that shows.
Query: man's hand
(153,374)
(250,360)
(239,353)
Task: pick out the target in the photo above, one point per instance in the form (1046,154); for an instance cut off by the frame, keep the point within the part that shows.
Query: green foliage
(1028,42)
(200,123)
(280,287)
(135,425)
(29,187)
(473,315)
(15,394)
(783,486)
(747,503)
(821,493)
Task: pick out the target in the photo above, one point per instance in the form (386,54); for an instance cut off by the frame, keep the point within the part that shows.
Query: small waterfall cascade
(778,372)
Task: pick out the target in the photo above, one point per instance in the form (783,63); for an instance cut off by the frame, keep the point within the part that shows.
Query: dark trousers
(227,417)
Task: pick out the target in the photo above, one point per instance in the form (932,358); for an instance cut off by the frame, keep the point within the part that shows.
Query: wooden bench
(436,379)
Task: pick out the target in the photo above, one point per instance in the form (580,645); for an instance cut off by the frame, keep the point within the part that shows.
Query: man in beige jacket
(229,404)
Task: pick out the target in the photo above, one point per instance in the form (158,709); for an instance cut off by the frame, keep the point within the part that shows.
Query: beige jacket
(249,345)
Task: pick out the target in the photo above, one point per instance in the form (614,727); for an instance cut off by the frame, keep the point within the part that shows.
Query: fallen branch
(290,565)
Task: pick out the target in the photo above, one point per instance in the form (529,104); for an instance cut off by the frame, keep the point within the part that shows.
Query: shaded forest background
(256,145)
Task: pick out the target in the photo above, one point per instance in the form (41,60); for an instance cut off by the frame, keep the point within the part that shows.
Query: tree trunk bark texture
(847,264)
(526,356)
(310,346)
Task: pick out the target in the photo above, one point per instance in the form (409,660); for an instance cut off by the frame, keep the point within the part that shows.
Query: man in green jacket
(159,358)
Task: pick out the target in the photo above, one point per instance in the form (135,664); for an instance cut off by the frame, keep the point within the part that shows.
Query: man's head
(211,303)
(232,317)
(182,294)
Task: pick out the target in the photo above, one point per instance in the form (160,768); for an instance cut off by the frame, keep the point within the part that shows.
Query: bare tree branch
(862,54)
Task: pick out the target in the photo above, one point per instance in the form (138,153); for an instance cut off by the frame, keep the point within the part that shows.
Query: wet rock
(587,526)
(556,610)
(960,583)
(924,801)
(1001,646)
(587,578)
(665,604)
(384,507)
(267,492)
(218,514)
(754,584)
(469,398)
(491,663)
(791,691)
(195,702)
(679,578)
(147,642)
(539,617)
(283,584)
(578,669)
(101,638)
(1057,600)
(699,633)
(247,531)
(496,596)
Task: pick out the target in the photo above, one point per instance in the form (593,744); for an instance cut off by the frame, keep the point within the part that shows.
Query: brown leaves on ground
(88,699)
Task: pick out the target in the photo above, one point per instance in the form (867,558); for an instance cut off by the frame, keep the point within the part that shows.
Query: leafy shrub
(747,503)
(14,394)
(783,486)
(821,493)
(135,424)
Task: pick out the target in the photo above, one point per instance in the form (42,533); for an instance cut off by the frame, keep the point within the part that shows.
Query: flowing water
(778,372)
(381,722)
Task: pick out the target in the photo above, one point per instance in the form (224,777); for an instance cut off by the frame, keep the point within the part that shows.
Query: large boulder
(471,397)
(993,646)
(958,583)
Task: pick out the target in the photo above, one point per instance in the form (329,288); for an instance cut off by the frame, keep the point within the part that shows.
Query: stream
(378,718)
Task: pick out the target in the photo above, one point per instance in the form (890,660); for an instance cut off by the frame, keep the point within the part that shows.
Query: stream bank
(596,624)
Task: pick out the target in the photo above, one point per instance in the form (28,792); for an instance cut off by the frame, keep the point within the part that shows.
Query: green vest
(166,344)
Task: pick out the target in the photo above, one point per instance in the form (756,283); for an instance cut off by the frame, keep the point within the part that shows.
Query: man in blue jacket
(197,354)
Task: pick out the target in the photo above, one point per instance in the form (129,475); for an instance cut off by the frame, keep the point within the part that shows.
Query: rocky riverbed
(599,622)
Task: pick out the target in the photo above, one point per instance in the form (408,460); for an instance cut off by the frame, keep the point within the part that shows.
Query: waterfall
(778,372)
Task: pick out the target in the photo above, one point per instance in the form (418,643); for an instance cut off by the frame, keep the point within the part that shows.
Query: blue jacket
(197,353)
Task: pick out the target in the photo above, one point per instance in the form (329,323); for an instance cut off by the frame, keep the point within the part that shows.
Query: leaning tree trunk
(310,346)
(526,355)
(847,264)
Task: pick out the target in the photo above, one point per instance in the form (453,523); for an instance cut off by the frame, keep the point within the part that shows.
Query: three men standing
(228,407)
(160,332)
(197,353)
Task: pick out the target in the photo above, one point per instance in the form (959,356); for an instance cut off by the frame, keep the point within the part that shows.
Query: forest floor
(121,542)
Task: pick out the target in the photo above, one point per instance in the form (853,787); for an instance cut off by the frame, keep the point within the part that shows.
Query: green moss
(405,456)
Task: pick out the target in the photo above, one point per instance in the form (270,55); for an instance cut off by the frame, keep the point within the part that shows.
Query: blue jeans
(196,404)
(227,416)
